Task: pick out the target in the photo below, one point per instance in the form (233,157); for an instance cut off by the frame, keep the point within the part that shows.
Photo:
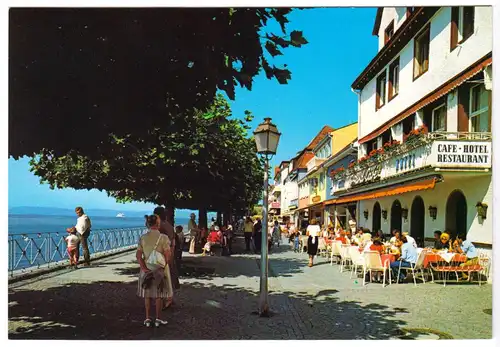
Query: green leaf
(297,38)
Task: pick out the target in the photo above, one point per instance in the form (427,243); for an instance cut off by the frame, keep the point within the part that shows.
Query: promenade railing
(32,251)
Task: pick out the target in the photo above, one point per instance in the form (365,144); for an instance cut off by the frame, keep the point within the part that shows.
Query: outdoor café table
(447,257)
(388,257)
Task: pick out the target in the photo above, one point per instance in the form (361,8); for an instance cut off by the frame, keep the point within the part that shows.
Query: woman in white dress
(313,231)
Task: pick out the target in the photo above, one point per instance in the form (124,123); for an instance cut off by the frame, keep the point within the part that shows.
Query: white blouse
(313,230)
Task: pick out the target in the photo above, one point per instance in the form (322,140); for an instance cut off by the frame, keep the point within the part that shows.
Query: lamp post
(266,138)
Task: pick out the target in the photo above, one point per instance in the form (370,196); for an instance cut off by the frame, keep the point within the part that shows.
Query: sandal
(147,323)
(159,322)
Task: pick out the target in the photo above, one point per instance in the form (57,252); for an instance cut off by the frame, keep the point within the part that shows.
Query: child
(296,245)
(73,241)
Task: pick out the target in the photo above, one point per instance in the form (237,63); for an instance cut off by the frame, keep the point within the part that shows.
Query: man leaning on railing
(82,228)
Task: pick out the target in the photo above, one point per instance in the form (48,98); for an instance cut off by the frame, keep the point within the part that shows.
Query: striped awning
(397,190)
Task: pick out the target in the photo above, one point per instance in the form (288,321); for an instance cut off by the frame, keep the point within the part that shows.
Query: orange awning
(330,202)
(401,189)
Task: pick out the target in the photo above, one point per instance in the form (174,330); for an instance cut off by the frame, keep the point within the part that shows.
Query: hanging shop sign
(316,199)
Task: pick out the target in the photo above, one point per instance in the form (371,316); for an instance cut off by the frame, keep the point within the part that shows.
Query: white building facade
(424,127)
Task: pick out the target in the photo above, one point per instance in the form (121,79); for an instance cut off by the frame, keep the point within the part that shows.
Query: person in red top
(377,245)
(342,238)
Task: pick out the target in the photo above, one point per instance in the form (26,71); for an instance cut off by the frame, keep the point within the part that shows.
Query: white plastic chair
(335,252)
(419,265)
(303,243)
(345,257)
(357,259)
(373,262)
(322,246)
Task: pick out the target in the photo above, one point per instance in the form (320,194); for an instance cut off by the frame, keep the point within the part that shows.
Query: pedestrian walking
(179,243)
(313,231)
(171,268)
(82,229)
(153,253)
(257,235)
(193,233)
(248,230)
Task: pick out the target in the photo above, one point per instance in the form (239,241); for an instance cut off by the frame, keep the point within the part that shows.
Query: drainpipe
(358,93)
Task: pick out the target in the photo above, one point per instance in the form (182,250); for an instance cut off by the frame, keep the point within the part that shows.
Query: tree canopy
(209,162)
(80,75)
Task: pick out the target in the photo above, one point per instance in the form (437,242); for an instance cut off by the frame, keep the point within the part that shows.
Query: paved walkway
(219,296)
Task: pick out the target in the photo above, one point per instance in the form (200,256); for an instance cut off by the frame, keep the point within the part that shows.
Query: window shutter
(454,28)
(468,22)
(463,108)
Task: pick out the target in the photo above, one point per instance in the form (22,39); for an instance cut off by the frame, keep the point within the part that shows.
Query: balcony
(314,163)
(457,151)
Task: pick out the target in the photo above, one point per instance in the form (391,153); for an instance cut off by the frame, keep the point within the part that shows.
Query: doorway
(396,218)
(417,222)
(377,212)
(456,214)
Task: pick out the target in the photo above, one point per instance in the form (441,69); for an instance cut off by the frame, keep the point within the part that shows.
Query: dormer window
(389,32)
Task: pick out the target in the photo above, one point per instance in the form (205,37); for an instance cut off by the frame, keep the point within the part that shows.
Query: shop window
(381,85)
(421,53)
(462,24)
(394,79)
(439,118)
(479,110)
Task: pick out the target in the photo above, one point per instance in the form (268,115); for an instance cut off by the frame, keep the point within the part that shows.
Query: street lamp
(266,138)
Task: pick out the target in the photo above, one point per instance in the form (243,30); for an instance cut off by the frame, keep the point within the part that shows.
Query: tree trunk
(225,217)
(202,217)
(219,218)
(170,211)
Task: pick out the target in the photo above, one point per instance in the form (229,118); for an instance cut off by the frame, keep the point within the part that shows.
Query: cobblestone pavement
(219,297)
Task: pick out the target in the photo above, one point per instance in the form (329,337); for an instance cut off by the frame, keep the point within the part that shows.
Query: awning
(439,92)
(389,191)
(315,205)
(330,202)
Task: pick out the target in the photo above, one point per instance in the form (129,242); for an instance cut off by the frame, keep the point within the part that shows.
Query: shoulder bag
(156,258)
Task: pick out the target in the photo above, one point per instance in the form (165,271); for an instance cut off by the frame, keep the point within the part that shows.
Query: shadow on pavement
(110,310)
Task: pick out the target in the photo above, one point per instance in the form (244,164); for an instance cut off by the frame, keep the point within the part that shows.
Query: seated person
(356,238)
(381,236)
(213,238)
(410,239)
(445,242)
(343,238)
(396,237)
(408,259)
(377,245)
(437,239)
(463,246)
(366,242)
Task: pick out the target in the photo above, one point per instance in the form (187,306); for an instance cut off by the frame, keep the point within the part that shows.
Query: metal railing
(457,135)
(32,251)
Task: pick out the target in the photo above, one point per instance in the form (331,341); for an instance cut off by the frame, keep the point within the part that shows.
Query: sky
(340,46)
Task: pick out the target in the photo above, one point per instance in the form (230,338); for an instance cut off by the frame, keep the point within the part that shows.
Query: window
(479,100)
(421,59)
(389,32)
(462,24)
(380,98)
(321,181)
(439,118)
(394,79)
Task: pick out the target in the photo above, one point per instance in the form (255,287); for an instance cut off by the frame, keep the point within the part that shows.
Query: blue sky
(340,46)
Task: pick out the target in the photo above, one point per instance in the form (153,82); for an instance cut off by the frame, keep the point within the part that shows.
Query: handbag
(156,258)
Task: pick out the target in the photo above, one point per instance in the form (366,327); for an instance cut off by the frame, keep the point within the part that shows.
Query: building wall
(303,194)
(443,65)
(345,163)
(343,137)
(396,14)
(474,187)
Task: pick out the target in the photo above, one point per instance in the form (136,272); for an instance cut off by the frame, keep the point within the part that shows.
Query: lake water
(29,224)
